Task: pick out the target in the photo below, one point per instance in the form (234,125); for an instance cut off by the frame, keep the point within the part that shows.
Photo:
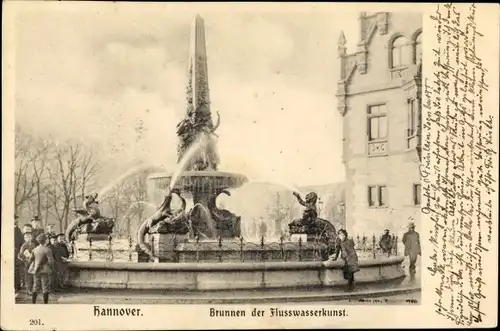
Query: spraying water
(107,189)
(195,147)
(136,204)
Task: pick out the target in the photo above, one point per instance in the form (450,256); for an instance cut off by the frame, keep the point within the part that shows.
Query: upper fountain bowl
(199,181)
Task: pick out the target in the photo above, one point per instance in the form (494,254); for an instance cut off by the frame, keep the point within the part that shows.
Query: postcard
(249,165)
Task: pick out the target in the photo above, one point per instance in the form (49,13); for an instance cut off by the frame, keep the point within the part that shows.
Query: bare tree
(73,169)
(24,185)
(127,203)
(117,203)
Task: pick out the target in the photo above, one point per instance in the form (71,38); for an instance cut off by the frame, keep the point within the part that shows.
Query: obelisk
(197,66)
(198,115)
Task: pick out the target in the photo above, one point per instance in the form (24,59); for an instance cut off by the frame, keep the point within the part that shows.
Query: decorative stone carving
(342,108)
(383,23)
(341,48)
(397,73)
(341,97)
(377,148)
(362,59)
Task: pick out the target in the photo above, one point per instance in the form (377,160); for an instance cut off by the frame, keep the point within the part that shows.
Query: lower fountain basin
(228,276)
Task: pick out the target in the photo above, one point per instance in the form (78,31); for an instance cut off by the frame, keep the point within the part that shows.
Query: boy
(24,255)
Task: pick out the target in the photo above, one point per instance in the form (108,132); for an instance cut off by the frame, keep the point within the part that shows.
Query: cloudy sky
(100,71)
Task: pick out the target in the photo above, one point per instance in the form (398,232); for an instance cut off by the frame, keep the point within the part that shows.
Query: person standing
(345,247)
(51,230)
(411,240)
(36,224)
(53,248)
(18,242)
(60,260)
(41,266)
(23,256)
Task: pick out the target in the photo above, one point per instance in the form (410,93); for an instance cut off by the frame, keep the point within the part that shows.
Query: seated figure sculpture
(90,220)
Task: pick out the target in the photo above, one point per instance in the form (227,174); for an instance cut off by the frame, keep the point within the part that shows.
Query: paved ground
(404,293)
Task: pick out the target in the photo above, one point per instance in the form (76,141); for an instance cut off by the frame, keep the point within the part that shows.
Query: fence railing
(230,251)
(376,246)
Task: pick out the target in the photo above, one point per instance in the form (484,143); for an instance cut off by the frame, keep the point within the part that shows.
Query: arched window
(400,52)
(418,48)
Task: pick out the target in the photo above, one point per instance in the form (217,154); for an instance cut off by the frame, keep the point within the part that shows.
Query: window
(416,194)
(377,123)
(418,48)
(400,52)
(412,118)
(377,196)
(372,196)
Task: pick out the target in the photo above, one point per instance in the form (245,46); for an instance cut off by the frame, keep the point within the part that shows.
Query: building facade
(378,95)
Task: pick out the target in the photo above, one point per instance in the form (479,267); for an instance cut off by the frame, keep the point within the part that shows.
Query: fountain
(202,248)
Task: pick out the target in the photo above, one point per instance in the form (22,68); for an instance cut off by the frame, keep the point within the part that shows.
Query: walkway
(405,293)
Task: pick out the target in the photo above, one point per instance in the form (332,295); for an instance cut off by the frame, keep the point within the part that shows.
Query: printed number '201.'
(36,322)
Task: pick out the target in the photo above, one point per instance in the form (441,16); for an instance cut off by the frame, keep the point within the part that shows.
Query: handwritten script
(458,175)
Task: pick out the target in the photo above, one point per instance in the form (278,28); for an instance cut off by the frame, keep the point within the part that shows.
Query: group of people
(345,248)
(40,257)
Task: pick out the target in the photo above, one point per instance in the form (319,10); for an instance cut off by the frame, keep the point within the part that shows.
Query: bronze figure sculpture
(90,220)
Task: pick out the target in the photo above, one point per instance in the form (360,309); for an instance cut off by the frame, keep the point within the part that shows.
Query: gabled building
(379,98)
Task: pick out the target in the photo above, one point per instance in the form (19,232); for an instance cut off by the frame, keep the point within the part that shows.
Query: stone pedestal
(96,237)
(163,246)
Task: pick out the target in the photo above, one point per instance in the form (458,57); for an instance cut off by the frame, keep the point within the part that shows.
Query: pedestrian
(18,242)
(385,242)
(62,258)
(36,224)
(23,257)
(53,248)
(41,266)
(27,228)
(411,240)
(51,230)
(345,247)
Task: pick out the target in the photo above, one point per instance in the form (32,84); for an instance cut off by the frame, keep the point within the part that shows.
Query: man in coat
(18,242)
(41,265)
(54,249)
(62,255)
(411,240)
(36,224)
(345,246)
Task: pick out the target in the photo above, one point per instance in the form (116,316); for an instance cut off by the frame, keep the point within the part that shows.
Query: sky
(101,71)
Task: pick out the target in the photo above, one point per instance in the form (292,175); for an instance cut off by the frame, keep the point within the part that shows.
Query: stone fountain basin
(228,276)
(201,181)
